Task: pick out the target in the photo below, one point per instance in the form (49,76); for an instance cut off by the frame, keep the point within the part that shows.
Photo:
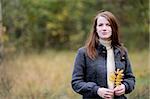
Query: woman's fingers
(108,97)
(119,90)
(106,93)
(110,92)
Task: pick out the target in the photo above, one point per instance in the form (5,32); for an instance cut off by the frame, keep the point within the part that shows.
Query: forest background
(39,40)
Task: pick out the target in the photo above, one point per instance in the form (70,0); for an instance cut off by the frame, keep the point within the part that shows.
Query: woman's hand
(119,90)
(105,93)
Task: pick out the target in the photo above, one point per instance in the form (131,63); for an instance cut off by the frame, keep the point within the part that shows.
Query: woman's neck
(106,43)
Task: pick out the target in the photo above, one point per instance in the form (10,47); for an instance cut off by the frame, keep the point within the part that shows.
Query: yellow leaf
(119,80)
(112,77)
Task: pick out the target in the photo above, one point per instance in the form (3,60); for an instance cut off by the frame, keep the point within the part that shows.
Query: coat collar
(102,49)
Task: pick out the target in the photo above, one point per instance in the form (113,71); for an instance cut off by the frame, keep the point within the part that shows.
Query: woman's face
(103,28)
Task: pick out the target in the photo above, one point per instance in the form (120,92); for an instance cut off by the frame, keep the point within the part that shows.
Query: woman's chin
(106,38)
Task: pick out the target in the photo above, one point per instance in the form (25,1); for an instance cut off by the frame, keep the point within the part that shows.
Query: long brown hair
(93,41)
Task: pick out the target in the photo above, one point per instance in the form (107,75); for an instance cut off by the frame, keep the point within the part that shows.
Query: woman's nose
(104,27)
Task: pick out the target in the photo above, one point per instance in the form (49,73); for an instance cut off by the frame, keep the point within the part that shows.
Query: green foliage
(66,24)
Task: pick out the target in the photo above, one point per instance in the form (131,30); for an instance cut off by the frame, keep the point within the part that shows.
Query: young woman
(102,55)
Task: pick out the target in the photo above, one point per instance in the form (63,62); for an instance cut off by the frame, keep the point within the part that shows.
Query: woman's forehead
(102,19)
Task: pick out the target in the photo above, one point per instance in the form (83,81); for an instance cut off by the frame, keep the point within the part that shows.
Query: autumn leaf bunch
(117,77)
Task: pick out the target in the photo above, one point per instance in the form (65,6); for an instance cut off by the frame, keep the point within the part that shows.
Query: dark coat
(89,75)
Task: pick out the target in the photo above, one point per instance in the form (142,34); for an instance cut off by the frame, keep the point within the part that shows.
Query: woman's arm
(78,77)
(129,78)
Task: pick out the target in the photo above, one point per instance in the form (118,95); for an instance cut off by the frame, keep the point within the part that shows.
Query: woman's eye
(108,24)
(100,24)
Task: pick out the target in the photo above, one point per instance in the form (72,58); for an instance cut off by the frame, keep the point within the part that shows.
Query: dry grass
(47,75)
(140,63)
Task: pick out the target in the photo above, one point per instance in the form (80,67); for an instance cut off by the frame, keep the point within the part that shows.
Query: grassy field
(48,75)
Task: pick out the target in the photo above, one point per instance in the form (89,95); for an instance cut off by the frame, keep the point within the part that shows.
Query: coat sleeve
(129,78)
(78,82)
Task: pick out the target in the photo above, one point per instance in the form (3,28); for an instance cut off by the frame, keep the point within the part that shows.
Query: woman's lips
(104,33)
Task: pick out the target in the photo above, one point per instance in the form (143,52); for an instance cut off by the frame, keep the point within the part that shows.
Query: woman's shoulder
(122,49)
(82,50)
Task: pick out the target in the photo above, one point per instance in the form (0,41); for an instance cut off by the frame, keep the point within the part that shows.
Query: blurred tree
(134,22)
(1,32)
(65,24)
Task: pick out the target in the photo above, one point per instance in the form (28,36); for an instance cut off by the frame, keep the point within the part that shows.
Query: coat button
(123,58)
